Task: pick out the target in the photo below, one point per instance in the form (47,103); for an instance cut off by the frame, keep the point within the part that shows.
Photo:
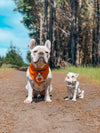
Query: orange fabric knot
(38,74)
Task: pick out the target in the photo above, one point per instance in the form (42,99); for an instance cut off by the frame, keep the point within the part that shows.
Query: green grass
(9,67)
(2,69)
(92,73)
(5,68)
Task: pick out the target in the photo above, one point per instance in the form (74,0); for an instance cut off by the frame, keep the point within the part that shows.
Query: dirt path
(60,116)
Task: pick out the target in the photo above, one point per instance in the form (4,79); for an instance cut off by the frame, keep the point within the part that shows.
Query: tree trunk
(41,28)
(72,33)
(54,26)
(51,28)
(51,21)
(90,46)
(45,20)
(54,36)
(94,47)
(98,31)
(78,31)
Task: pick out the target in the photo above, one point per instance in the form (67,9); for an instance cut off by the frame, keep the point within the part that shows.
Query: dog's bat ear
(48,44)
(32,44)
(76,75)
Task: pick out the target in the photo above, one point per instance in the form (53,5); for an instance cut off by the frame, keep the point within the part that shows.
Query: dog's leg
(82,94)
(75,91)
(27,87)
(51,88)
(30,93)
(50,92)
(68,90)
(79,91)
(47,94)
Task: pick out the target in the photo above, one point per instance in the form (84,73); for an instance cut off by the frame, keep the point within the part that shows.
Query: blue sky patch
(11,30)
(3,22)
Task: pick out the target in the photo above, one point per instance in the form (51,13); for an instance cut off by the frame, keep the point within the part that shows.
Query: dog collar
(39,75)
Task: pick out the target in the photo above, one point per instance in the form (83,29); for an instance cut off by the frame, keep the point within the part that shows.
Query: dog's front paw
(28,100)
(67,98)
(48,100)
(74,99)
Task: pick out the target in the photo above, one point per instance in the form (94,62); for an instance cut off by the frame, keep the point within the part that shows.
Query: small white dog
(73,86)
(39,74)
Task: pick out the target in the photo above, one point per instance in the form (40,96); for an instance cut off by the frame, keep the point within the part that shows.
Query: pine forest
(72,26)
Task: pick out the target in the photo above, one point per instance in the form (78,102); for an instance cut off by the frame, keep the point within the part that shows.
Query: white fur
(73,86)
(39,57)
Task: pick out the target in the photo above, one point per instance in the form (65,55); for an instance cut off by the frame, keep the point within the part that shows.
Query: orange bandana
(38,74)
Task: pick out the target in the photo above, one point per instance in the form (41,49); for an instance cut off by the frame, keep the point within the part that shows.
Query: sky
(11,30)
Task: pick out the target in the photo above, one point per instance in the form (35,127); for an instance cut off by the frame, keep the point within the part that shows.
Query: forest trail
(60,116)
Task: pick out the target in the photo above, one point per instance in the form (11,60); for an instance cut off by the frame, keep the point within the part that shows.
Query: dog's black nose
(41,53)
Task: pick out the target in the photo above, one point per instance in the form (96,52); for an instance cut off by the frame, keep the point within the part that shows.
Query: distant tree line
(73,27)
(12,57)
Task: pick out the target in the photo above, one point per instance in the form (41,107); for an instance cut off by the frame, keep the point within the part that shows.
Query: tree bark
(45,20)
(98,32)
(78,31)
(54,26)
(51,28)
(41,28)
(72,33)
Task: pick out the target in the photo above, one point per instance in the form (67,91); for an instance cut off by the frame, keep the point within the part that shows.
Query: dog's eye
(35,51)
(73,77)
(46,52)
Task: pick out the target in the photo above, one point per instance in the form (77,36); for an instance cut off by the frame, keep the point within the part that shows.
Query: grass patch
(8,67)
(92,73)
(4,68)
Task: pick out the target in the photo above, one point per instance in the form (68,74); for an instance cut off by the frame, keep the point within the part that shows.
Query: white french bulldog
(39,74)
(73,86)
